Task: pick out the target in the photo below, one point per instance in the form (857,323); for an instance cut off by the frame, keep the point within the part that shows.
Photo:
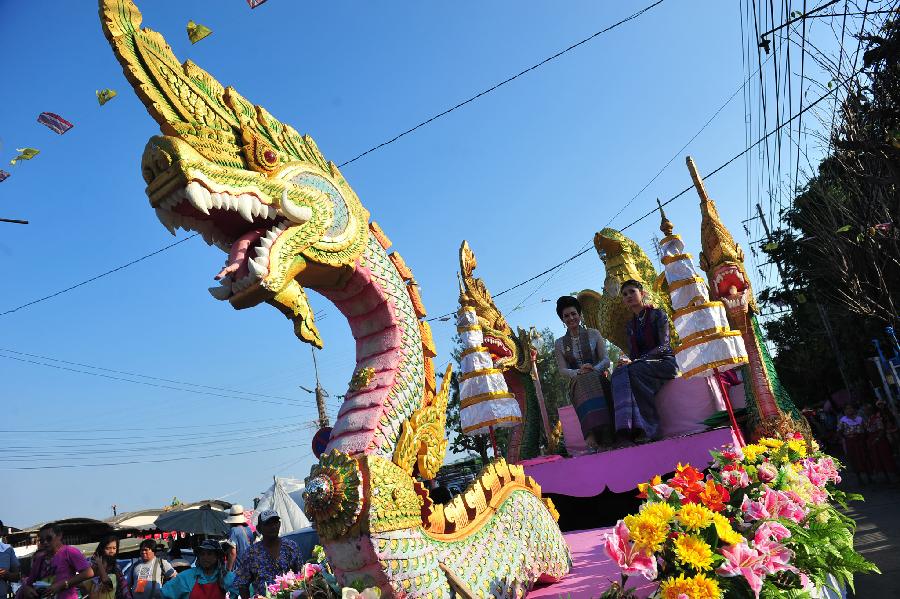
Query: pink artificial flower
(766,472)
(310,570)
(742,560)
(273,588)
(818,496)
(774,504)
(735,477)
(770,532)
(620,549)
(754,510)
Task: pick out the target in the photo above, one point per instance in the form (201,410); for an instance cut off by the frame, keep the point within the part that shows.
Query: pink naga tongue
(238,253)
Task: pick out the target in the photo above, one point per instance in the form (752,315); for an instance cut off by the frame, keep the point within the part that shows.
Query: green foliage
(824,544)
(836,257)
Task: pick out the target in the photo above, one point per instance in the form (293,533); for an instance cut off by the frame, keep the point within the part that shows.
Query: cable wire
(504,82)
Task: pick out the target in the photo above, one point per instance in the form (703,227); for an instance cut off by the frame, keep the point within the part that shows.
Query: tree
(839,247)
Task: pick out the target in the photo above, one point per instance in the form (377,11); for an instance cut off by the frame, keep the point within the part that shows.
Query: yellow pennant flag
(25,154)
(197,32)
(105,95)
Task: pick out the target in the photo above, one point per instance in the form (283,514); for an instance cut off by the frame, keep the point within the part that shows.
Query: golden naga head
(624,259)
(721,257)
(246,182)
(505,348)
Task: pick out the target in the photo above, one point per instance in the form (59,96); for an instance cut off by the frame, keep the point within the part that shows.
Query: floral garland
(761,522)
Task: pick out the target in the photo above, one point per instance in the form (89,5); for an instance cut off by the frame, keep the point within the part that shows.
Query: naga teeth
(163,216)
(266,242)
(245,207)
(263,252)
(220,293)
(295,212)
(198,196)
(259,267)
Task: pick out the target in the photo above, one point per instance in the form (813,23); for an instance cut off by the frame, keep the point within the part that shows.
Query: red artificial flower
(714,496)
(688,481)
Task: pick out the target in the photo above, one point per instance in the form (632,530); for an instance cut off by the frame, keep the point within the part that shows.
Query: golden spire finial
(698,180)
(665,225)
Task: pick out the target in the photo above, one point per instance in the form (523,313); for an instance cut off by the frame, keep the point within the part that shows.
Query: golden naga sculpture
(288,220)
(770,409)
(624,260)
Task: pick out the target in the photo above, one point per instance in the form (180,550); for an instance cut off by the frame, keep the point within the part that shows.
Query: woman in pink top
(63,566)
(852,428)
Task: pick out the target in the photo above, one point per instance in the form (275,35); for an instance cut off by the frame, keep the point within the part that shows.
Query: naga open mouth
(730,286)
(243,226)
(498,350)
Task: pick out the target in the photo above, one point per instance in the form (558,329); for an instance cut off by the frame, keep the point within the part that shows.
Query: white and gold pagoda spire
(485,401)
(706,342)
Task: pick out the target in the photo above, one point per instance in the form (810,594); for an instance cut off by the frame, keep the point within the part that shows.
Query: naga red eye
(269,156)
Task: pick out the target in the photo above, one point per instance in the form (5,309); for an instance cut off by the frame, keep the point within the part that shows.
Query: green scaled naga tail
(771,411)
(288,221)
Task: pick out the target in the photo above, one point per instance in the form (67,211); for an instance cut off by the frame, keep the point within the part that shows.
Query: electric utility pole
(320,394)
(822,311)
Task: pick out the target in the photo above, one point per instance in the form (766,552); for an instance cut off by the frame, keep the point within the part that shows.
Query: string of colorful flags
(59,125)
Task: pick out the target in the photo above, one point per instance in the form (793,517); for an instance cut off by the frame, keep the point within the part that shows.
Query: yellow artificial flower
(798,446)
(752,452)
(647,531)
(771,443)
(662,511)
(693,551)
(694,516)
(673,588)
(726,532)
(705,588)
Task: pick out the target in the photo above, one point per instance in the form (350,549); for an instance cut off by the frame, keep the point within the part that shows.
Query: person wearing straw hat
(240,536)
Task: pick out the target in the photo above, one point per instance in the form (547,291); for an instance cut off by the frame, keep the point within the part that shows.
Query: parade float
(288,221)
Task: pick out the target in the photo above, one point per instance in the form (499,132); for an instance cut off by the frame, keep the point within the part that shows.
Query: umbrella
(203,520)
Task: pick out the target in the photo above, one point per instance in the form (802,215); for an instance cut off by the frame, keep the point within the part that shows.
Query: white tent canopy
(285,496)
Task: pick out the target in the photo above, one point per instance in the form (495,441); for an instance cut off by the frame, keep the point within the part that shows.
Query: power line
(148,383)
(154,461)
(146,376)
(100,276)
(85,451)
(504,82)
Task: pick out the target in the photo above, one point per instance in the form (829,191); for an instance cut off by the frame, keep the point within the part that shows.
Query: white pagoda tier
(706,342)
(485,400)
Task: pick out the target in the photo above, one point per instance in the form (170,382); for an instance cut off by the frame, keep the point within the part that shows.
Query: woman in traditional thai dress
(640,374)
(582,359)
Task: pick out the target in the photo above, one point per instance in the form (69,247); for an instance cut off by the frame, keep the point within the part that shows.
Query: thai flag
(3,176)
(55,122)
(255,3)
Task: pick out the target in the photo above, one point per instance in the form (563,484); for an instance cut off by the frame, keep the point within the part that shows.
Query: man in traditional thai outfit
(639,375)
(582,359)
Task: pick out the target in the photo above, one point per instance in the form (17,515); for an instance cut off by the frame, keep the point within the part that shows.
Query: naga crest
(721,258)
(505,347)
(246,182)
(624,259)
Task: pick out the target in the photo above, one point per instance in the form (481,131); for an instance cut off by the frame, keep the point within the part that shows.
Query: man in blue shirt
(9,564)
(240,536)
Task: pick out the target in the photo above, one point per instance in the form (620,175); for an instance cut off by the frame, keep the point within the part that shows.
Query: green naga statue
(769,407)
(288,220)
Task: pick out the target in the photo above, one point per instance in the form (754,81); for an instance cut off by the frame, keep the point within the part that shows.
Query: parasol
(203,520)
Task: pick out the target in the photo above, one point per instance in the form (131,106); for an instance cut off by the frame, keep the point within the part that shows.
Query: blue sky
(527,174)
